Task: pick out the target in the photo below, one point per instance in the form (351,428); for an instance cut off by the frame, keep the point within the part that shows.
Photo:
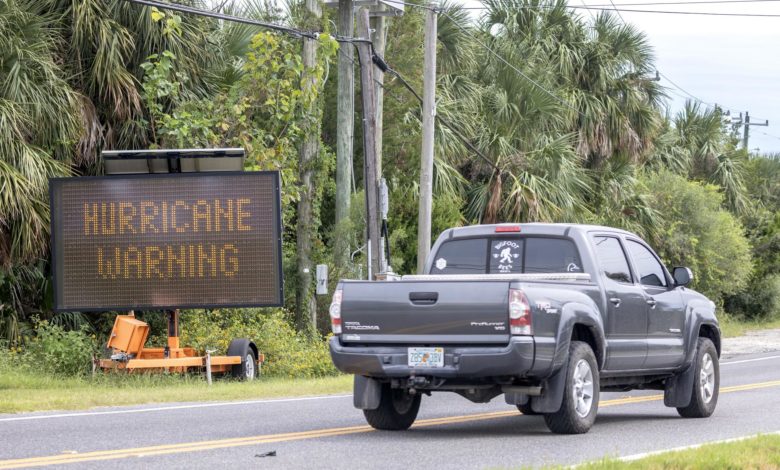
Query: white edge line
(749,360)
(234,403)
(169,408)
(633,457)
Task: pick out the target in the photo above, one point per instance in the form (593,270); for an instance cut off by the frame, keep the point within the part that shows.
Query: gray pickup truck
(548,315)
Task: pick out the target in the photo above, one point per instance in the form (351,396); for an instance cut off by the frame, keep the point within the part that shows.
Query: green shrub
(287,353)
(698,232)
(57,351)
(760,301)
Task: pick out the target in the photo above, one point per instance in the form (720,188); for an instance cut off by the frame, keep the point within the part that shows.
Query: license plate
(426,357)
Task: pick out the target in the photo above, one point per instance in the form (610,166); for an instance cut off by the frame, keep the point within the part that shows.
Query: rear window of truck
(506,256)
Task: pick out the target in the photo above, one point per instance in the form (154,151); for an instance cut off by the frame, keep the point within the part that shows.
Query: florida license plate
(426,357)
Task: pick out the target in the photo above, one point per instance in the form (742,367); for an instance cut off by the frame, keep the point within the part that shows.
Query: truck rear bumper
(515,359)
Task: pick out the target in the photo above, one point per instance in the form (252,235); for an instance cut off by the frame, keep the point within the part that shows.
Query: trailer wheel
(247,369)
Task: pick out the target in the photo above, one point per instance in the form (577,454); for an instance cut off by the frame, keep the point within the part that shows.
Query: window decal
(507,252)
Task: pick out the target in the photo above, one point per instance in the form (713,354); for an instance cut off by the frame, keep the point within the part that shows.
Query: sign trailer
(166,240)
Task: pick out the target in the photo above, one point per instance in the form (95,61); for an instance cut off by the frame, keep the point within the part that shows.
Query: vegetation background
(581,135)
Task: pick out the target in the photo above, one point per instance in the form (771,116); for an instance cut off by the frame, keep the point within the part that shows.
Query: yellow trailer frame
(129,335)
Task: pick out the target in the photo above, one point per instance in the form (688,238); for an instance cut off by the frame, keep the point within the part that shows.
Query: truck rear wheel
(397,410)
(706,385)
(526,409)
(581,395)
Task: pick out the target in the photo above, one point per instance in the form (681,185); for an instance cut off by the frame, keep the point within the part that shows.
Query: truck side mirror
(682,275)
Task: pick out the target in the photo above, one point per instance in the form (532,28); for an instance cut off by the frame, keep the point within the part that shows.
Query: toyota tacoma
(547,315)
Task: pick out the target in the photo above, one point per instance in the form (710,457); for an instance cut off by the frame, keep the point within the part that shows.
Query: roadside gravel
(757,341)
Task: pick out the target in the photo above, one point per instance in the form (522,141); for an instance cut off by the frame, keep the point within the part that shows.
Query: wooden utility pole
(380,41)
(371,179)
(345,120)
(428,121)
(746,130)
(306,304)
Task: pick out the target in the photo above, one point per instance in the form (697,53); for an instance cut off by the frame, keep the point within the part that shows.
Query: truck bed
(434,309)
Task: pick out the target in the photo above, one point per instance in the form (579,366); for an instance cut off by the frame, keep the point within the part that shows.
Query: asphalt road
(326,432)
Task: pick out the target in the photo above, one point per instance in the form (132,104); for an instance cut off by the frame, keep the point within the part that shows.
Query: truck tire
(397,410)
(247,369)
(526,409)
(581,395)
(706,382)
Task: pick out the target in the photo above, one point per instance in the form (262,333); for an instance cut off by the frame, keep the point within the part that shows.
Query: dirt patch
(757,341)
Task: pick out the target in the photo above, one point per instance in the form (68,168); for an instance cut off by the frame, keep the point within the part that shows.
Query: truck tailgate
(426,312)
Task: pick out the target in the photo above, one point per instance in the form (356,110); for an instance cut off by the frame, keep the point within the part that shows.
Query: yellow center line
(295,436)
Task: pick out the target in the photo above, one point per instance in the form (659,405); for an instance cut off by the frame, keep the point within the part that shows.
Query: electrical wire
(768,135)
(694,2)
(510,65)
(446,123)
(612,7)
(221,16)
(299,33)
(694,97)
(666,12)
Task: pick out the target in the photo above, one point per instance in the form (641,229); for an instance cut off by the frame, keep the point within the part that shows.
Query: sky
(730,61)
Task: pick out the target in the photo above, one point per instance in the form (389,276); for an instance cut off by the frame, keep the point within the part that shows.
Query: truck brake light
(335,312)
(519,313)
(507,228)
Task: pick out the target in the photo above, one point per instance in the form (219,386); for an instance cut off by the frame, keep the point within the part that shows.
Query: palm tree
(39,123)
(69,86)
(697,143)
(575,96)
(601,68)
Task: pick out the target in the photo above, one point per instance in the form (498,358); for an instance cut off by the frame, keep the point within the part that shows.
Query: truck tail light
(519,313)
(335,312)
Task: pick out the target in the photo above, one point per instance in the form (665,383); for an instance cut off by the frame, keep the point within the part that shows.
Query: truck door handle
(615,301)
(423,298)
(651,302)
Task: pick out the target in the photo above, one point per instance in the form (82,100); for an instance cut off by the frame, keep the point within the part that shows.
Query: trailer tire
(247,369)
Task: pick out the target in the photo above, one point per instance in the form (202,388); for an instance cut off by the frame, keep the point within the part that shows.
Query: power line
(691,95)
(617,11)
(667,12)
(299,33)
(605,7)
(377,60)
(222,16)
(510,65)
(768,135)
(694,2)
(446,123)
(712,105)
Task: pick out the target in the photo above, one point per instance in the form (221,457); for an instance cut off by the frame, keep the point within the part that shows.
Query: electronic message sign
(196,240)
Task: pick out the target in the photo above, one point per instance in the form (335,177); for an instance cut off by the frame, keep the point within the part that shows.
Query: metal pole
(426,158)
(208,367)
